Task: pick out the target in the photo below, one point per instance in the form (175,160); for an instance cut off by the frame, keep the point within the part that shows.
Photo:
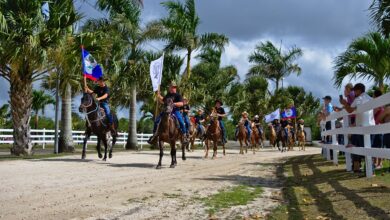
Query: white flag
(274,115)
(156,68)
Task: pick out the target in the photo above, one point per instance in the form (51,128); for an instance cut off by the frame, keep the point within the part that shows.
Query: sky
(322,29)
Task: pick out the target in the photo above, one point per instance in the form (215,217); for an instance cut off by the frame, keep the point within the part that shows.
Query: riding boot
(152,140)
(113,130)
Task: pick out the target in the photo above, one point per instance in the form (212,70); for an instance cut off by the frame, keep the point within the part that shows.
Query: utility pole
(56,112)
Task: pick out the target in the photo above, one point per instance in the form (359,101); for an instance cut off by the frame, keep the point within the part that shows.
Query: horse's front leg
(183,149)
(98,147)
(160,145)
(105,143)
(87,135)
(112,146)
(206,148)
(215,148)
(173,155)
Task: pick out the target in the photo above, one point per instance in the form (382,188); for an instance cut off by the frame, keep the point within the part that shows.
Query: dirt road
(128,187)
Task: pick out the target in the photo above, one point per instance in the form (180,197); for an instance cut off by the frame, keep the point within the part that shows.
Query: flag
(45,10)
(156,68)
(91,68)
(289,113)
(274,115)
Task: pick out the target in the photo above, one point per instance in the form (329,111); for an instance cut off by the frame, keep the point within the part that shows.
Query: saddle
(175,120)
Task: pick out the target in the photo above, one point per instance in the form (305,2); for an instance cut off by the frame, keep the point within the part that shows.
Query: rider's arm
(87,89)
(178,104)
(348,107)
(102,97)
(160,98)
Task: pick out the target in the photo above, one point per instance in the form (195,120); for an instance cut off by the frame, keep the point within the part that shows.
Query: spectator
(384,117)
(362,119)
(377,139)
(328,108)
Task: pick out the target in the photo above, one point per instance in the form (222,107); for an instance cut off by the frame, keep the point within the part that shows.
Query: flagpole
(157,102)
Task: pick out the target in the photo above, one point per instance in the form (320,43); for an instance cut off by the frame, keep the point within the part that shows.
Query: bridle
(86,113)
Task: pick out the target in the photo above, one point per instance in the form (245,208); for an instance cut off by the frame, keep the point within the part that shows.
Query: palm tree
(380,16)
(273,64)
(23,55)
(39,102)
(180,31)
(129,69)
(367,57)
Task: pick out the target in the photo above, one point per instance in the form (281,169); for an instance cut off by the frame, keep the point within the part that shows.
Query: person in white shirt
(362,119)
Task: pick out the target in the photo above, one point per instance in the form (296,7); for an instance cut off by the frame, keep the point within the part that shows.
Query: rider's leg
(152,140)
(106,108)
(181,121)
(249,132)
(187,122)
(222,125)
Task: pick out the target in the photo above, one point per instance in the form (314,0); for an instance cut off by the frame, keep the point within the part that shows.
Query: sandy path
(128,186)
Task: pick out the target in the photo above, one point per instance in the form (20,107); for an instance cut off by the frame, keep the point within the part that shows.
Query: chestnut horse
(255,138)
(195,134)
(214,134)
(168,131)
(272,136)
(242,137)
(97,124)
(301,137)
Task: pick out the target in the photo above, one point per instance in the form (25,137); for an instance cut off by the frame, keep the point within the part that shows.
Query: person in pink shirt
(377,140)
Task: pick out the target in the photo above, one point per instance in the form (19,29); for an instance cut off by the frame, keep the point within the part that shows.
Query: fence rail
(44,136)
(365,130)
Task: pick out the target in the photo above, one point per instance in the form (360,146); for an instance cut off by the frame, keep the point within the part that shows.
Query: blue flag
(289,113)
(91,68)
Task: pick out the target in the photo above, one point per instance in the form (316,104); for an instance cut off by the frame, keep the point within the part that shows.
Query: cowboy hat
(218,101)
(173,84)
(256,116)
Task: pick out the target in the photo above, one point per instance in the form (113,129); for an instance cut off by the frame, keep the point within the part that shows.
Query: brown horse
(242,137)
(255,138)
(97,124)
(214,134)
(290,138)
(301,137)
(194,134)
(281,137)
(272,136)
(168,131)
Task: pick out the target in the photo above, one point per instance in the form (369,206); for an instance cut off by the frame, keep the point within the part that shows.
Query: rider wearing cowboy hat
(244,119)
(178,103)
(103,97)
(221,114)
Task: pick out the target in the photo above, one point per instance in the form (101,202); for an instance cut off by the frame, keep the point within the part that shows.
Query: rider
(276,124)
(185,110)
(245,120)
(221,114)
(178,103)
(199,119)
(257,122)
(284,125)
(301,122)
(103,96)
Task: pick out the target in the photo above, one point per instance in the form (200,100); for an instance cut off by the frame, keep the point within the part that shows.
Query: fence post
(44,138)
(334,142)
(367,144)
(124,140)
(348,159)
(142,140)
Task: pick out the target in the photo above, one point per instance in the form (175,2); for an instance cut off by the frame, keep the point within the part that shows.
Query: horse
(194,134)
(242,136)
(255,138)
(214,134)
(281,137)
(272,136)
(96,123)
(301,137)
(290,138)
(168,131)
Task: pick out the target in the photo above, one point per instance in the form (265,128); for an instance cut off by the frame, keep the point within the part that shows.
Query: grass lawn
(317,189)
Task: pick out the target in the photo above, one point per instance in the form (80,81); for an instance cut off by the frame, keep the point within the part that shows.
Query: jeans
(179,117)
(200,129)
(222,125)
(106,108)
(187,122)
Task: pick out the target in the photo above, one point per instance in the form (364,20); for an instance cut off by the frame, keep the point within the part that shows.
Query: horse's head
(86,101)
(168,106)
(214,115)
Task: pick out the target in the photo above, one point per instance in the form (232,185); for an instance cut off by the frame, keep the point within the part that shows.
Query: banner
(156,68)
(289,113)
(91,68)
(274,115)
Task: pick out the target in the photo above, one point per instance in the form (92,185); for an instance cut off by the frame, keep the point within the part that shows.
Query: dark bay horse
(194,133)
(168,131)
(281,137)
(214,134)
(97,124)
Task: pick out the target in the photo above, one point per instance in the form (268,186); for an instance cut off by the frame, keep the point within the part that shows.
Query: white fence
(365,130)
(43,137)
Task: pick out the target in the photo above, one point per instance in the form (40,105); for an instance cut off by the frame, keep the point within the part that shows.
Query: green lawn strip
(314,188)
(235,196)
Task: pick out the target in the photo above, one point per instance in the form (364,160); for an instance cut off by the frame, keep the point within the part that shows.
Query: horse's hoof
(100,156)
(83,156)
(172,166)
(184,158)
(158,167)
(104,159)
(110,156)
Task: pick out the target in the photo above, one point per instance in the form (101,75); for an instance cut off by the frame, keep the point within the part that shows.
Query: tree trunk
(21,103)
(132,137)
(381,86)
(66,140)
(36,121)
